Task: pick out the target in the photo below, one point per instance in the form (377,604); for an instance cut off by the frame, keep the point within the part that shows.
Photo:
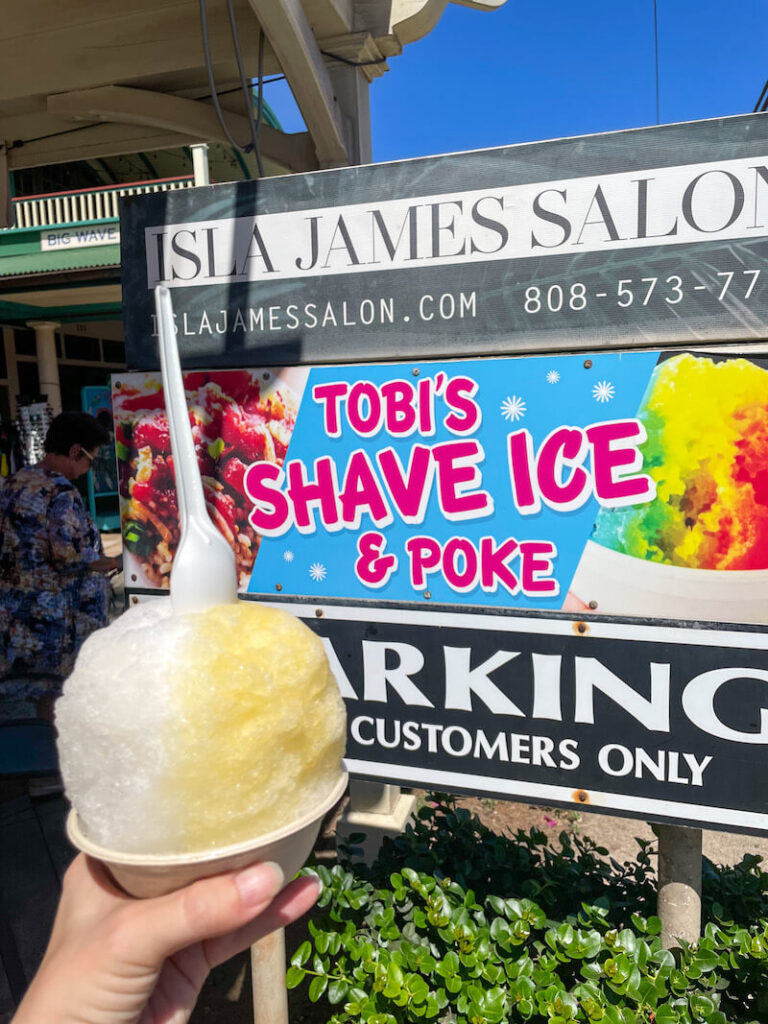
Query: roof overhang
(83,79)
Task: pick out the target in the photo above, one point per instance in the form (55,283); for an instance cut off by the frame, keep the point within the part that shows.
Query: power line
(257,127)
(656,53)
(253,145)
(18,143)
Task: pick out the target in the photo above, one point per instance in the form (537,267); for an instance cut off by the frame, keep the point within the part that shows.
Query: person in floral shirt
(53,585)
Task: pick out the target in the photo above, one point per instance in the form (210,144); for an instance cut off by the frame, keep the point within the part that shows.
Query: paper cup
(622,585)
(145,875)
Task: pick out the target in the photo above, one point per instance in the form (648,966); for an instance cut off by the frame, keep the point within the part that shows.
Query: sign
(83,237)
(627,483)
(455,523)
(653,235)
(102,475)
(666,722)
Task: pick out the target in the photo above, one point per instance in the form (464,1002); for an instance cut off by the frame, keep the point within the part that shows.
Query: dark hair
(70,428)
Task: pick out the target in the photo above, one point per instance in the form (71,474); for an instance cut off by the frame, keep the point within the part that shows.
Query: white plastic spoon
(203,572)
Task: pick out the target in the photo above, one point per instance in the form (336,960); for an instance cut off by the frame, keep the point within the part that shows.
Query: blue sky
(541,69)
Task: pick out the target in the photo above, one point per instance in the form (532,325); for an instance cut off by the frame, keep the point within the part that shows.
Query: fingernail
(259,882)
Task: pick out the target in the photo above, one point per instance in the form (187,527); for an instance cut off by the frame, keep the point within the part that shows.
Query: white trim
(540,793)
(682,635)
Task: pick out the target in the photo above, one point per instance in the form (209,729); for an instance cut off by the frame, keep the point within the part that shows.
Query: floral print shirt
(49,601)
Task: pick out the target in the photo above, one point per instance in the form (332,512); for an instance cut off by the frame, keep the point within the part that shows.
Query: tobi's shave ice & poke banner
(623,483)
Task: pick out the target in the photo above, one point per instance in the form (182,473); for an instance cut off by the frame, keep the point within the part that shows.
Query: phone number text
(729,284)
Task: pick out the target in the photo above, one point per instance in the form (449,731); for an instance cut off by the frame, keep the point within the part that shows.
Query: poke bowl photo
(238,417)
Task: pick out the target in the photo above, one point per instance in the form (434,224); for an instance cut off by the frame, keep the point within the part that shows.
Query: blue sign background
(555,391)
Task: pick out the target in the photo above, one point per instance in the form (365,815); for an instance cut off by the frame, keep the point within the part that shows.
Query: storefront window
(24,341)
(82,348)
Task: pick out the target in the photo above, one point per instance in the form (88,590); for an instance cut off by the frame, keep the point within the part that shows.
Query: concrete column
(12,369)
(352,94)
(200,167)
(6,206)
(679,904)
(47,362)
(270,996)
(377,810)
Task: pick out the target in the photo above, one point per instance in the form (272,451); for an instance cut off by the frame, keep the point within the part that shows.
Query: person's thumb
(208,908)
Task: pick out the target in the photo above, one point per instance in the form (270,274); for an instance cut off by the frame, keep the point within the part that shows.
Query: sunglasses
(87,455)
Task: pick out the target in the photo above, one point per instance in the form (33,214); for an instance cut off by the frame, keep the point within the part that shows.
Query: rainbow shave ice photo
(699,550)
(707,451)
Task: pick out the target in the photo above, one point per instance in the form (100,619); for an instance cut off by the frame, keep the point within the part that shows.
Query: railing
(59,208)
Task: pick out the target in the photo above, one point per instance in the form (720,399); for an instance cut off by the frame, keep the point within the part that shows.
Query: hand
(105,564)
(116,960)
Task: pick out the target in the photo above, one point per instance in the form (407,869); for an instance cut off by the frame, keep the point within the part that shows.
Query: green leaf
(337,991)
(666,1014)
(294,976)
(497,903)
(449,965)
(302,954)
(500,931)
(316,988)
(432,1007)
(394,981)
(627,941)
(525,1009)
(702,1005)
(215,448)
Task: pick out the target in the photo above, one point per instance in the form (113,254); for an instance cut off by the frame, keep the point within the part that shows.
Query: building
(99,102)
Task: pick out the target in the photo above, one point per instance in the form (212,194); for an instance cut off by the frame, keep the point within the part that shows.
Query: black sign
(663,722)
(649,236)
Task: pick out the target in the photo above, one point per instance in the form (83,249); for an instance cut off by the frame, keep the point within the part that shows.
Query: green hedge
(457,923)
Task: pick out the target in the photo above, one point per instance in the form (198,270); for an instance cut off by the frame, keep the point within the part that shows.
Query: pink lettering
(493,562)
(465,415)
(329,396)
(520,458)
(399,413)
(306,494)
(272,513)
(427,389)
(361,492)
(373,568)
(364,408)
(537,565)
(614,449)
(457,475)
(460,564)
(564,446)
(424,554)
(409,491)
